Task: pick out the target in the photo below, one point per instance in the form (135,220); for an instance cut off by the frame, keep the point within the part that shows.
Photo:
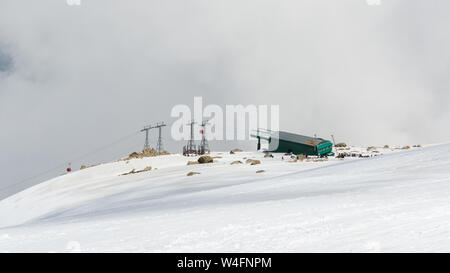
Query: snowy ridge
(394,202)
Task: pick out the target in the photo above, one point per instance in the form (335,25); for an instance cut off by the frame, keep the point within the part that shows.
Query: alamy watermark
(235,122)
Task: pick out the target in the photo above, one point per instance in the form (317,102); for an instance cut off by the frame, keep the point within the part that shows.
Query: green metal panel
(295,148)
(285,142)
(322,148)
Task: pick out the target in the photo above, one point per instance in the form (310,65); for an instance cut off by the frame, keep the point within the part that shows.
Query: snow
(397,201)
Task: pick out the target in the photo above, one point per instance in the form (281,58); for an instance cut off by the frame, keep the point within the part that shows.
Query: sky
(77,83)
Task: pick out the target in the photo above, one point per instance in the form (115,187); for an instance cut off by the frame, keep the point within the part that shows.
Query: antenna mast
(334,143)
(204,146)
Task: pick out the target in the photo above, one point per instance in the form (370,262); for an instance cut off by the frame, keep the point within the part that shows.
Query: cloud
(5,62)
(86,75)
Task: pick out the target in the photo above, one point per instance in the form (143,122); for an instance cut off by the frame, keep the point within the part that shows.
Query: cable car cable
(65,164)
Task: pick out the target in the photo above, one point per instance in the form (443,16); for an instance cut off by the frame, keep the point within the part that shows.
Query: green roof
(291,137)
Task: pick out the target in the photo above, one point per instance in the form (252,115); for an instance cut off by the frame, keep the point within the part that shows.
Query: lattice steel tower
(159,144)
(190,148)
(146,129)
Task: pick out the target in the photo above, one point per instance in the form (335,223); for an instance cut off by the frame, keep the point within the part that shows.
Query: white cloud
(85,75)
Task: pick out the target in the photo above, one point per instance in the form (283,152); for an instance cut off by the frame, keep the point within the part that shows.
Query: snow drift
(394,202)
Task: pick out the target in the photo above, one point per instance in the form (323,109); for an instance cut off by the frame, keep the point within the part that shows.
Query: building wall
(296,148)
(299,148)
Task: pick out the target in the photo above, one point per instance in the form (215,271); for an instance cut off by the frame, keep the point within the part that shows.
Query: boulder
(192,163)
(340,144)
(134,155)
(205,159)
(236,162)
(192,173)
(253,161)
(146,169)
(146,152)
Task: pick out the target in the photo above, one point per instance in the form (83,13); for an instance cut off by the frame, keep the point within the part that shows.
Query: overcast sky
(76,78)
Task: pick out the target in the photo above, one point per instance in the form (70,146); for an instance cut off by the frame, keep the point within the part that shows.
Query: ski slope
(398,201)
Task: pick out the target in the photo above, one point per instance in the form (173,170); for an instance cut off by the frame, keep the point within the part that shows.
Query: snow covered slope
(399,201)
